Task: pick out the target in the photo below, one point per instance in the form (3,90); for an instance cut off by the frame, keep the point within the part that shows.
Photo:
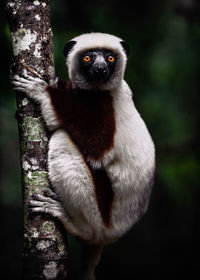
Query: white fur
(129,164)
(72,182)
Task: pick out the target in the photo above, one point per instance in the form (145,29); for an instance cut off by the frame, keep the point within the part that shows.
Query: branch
(30,69)
(45,254)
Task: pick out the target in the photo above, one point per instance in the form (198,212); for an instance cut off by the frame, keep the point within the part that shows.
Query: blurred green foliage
(163,72)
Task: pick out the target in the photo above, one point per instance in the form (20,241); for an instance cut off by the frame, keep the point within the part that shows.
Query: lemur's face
(96,61)
(97,66)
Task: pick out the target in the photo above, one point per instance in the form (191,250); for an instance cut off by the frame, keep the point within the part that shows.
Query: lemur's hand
(32,87)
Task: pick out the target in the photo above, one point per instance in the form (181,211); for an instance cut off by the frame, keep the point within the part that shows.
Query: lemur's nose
(100,68)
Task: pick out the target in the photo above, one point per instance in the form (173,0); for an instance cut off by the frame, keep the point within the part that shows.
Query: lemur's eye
(111,58)
(87,58)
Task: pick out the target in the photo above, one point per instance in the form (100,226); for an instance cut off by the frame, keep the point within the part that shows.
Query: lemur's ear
(68,46)
(125,47)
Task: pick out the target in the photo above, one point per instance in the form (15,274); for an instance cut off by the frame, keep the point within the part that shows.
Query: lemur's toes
(37,196)
(33,203)
(50,193)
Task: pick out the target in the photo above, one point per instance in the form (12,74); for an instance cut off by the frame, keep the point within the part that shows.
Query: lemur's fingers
(22,84)
(19,78)
(17,83)
(37,80)
(28,80)
(20,89)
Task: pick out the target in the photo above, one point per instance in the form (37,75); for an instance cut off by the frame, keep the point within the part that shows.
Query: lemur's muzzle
(100,71)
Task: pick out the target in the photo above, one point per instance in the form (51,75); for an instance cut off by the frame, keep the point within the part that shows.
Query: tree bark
(45,252)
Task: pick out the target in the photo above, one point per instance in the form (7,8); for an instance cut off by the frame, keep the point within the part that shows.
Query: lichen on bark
(31,35)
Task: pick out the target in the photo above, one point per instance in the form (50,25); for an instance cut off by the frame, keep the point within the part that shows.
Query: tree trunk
(45,254)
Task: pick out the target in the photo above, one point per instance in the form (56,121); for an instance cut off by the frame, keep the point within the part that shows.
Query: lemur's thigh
(71,179)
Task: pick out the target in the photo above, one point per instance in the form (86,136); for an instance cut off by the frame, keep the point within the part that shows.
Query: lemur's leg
(36,89)
(50,204)
(91,256)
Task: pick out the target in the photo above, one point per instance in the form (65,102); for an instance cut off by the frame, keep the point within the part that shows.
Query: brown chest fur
(88,117)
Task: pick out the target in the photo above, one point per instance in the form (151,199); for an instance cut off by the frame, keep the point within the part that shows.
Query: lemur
(101,157)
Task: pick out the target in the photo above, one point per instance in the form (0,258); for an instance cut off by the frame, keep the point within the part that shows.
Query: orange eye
(87,58)
(111,58)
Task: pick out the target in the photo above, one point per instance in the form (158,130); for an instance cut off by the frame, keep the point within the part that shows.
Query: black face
(97,66)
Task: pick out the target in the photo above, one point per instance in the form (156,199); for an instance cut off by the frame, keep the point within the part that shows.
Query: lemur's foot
(47,204)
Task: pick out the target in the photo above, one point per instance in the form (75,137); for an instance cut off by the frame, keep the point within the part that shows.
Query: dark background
(164,72)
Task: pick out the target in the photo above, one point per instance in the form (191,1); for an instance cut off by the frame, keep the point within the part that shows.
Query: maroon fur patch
(88,117)
(104,193)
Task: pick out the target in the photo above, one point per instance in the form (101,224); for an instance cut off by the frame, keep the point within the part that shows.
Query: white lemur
(101,157)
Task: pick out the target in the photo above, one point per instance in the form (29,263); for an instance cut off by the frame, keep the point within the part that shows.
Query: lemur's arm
(35,89)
